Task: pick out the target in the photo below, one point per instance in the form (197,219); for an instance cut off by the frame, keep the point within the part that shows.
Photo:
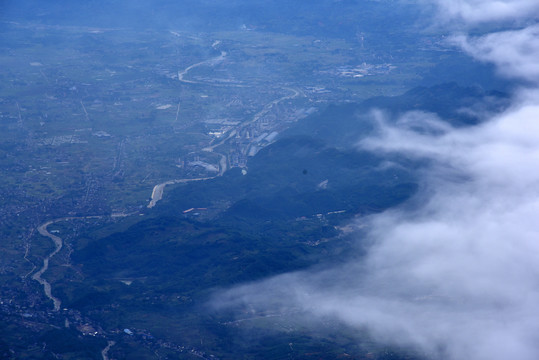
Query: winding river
(58,243)
(104,352)
(157,192)
(211,62)
(42,229)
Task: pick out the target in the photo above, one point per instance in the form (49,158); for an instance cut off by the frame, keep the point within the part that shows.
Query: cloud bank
(483,11)
(458,276)
(515,52)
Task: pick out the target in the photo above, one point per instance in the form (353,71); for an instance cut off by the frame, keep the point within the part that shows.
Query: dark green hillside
(189,256)
(285,213)
(343,125)
(279,217)
(314,169)
(449,101)
(300,177)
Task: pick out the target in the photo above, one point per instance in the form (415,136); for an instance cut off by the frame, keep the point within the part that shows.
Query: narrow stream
(42,229)
(58,243)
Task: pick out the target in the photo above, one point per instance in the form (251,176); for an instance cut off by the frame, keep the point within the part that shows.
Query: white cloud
(459,276)
(482,11)
(515,52)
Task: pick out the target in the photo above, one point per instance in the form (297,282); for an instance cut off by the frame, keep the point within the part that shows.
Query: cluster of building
(247,140)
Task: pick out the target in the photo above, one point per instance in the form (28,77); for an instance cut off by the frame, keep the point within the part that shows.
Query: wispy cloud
(483,11)
(515,52)
(458,275)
